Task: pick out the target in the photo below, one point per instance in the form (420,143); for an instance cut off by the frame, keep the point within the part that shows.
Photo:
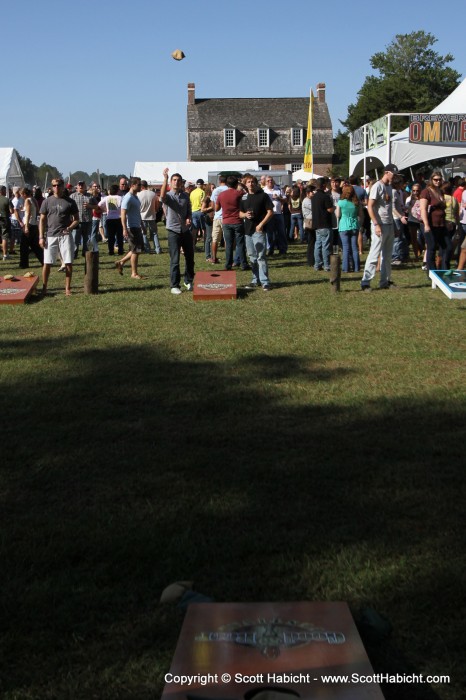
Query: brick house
(271,130)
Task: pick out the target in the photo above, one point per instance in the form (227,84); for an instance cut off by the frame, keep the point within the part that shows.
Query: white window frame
(296,130)
(261,131)
(229,133)
(296,166)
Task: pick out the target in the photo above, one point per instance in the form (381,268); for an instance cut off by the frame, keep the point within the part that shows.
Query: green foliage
(341,154)
(412,77)
(37,174)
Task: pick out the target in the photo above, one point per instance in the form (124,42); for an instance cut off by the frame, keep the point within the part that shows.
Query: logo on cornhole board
(211,286)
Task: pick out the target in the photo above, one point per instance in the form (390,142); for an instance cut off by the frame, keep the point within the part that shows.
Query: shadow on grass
(130,469)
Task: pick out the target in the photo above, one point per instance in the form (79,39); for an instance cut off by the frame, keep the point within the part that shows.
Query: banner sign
(438,129)
(377,133)
(357,141)
(308,150)
(376,136)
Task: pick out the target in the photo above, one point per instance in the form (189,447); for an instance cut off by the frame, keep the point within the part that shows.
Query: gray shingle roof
(248,113)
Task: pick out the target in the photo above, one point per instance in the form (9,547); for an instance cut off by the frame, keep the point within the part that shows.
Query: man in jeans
(233,230)
(178,223)
(322,209)
(256,209)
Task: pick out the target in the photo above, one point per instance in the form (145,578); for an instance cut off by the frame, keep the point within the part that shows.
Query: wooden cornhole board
(215,285)
(451,282)
(18,290)
(286,646)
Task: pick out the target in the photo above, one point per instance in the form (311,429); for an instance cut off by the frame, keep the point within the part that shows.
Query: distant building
(271,130)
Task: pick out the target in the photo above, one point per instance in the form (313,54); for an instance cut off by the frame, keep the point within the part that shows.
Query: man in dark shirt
(228,201)
(322,208)
(256,209)
(59,216)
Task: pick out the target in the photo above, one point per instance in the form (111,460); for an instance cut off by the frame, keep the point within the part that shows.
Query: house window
(296,136)
(296,166)
(263,137)
(229,136)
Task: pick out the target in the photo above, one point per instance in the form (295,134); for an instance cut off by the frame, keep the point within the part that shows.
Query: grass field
(295,445)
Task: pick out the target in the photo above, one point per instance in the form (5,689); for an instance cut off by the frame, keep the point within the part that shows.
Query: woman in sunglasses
(433,222)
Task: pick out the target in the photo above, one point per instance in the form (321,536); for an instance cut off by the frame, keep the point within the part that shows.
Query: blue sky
(93,85)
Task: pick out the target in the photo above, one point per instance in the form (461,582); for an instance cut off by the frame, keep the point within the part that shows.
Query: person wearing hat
(197,197)
(382,230)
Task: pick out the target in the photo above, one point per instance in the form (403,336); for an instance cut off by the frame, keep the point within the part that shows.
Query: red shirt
(458,193)
(229,201)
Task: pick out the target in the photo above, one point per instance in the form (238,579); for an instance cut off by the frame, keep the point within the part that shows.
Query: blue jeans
(323,248)
(231,233)
(297,220)
(256,248)
(349,243)
(276,235)
(80,234)
(400,244)
(149,229)
(175,242)
(208,239)
(92,242)
(198,221)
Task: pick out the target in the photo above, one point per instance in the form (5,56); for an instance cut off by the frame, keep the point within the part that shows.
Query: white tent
(10,169)
(189,170)
(303,175)
(405,154)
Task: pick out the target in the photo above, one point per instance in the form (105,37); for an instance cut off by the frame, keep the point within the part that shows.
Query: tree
(28,169)
(46,173)
(413,78)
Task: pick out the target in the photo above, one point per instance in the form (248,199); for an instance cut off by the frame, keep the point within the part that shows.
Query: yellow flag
(308,154)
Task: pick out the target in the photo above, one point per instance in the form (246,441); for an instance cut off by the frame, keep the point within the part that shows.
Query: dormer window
(229,138)
(297,136)
(263,139)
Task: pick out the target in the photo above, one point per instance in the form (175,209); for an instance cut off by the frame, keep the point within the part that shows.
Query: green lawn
(296,445)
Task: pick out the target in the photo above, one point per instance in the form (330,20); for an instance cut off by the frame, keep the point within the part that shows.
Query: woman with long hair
(30,232)
(433,222)
(349,216)
(414,221)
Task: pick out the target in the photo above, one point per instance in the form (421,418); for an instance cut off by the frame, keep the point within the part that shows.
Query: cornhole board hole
(17,290)
(231,651)
(211,286)
(451,282)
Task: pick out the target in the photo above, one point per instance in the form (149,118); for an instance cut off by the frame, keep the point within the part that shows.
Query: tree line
(42,175)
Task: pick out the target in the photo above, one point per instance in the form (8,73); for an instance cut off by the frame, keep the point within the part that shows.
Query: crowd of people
(422,221)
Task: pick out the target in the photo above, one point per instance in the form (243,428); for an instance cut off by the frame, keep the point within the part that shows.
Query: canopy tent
(303,175)
(10,169)
(189,170)
(405,154)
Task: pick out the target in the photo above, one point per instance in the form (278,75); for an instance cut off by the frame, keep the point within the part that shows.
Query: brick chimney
(192,93)
(321,92)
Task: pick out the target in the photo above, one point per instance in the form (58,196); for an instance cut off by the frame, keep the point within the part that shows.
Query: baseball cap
(391,168)
(200,181)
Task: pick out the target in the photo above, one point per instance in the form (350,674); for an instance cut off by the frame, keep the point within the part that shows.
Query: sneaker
(396,262)
(266,287)
(175,290)
(424,267)
(365,288)
(188,286)
(6,257)
(251,286)
(389,285)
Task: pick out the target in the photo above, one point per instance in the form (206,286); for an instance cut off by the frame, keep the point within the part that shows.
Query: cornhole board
(451,282)
(215,285)
(228,650)
(18,290)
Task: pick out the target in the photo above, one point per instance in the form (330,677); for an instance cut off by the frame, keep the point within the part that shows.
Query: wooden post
(91,273)
(335,272)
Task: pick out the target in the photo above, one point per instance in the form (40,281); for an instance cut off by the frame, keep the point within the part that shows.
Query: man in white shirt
(149,208)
